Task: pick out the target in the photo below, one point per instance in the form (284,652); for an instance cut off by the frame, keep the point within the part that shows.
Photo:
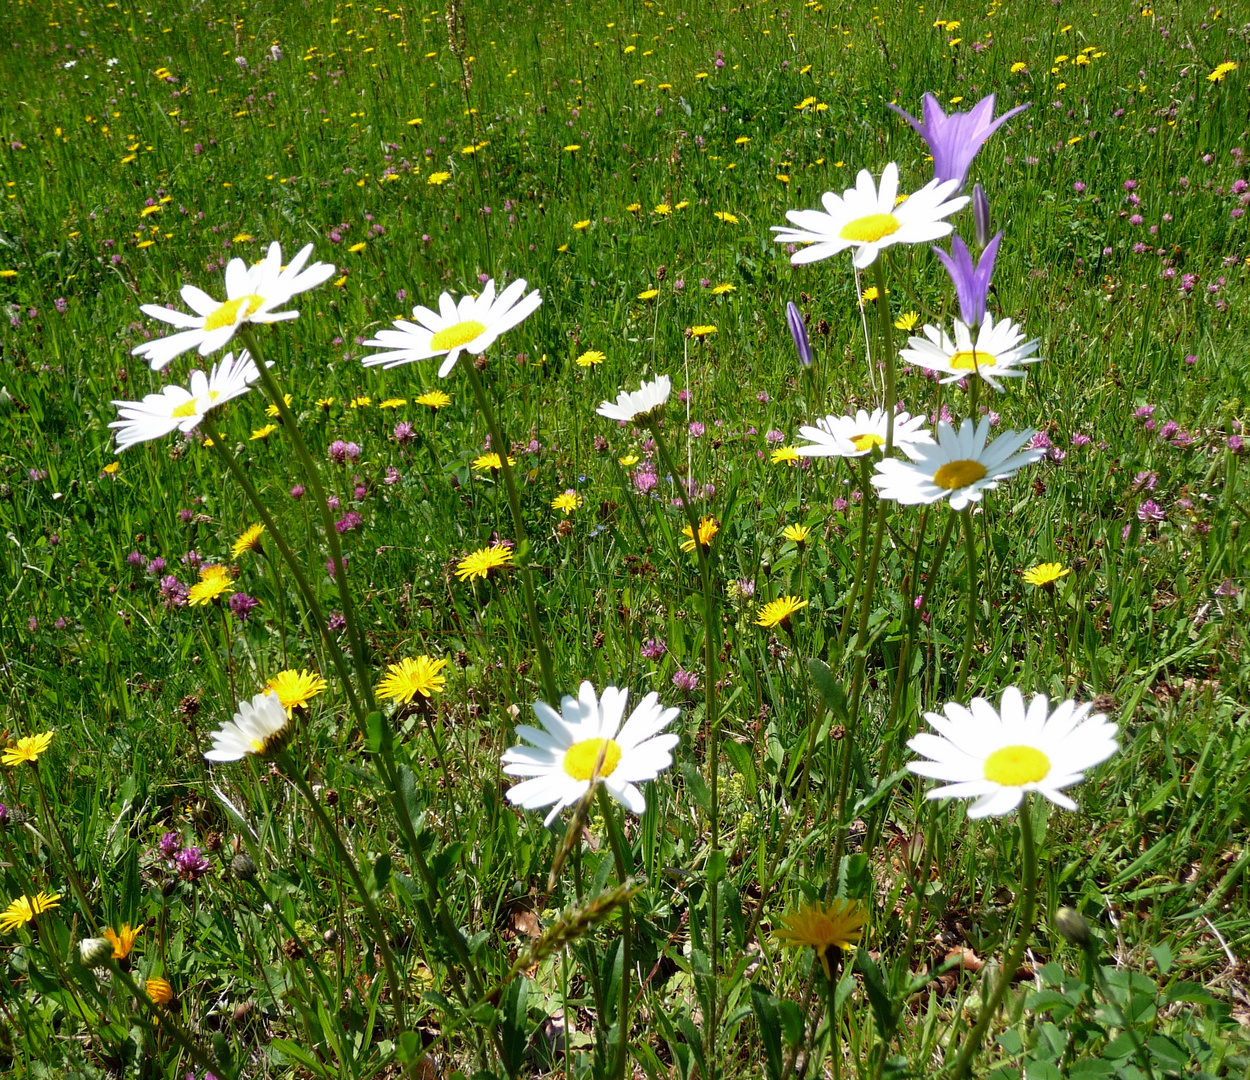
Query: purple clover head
(954,140)
(241,604)
(169,843)
(972,282)
(191,864)
(798,331)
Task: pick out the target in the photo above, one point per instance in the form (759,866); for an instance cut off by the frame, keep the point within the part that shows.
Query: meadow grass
(628,161)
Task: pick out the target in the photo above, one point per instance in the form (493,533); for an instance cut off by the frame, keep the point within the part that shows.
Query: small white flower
(471,326)
(177,408)
(644,401)
(259,727)
(999,347)
(567,747)
(112,62)
(868,220)
(252,296)
(855,436)
(959,466)
(996,756)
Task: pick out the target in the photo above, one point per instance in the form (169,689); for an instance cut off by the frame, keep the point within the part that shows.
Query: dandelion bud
(95,951)
(1072,926)
(242,867)
(798,331)
(981,214)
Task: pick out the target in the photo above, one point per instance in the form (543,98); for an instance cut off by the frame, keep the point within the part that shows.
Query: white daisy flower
(567,748)
(259,727)
(996,756)
(644,401)
(999,347)
(252,295)
(179,408)
(959,466)
(855,436)
(867,219)
(470,326)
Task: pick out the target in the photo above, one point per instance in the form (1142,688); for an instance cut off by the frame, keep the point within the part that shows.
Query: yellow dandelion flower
(648,294)
(392,403)
(633,208)
(1018,67)
(800,534)
(663,209)
(582,225)
(742,140)
(261,434)
(8,273)
(1221,70)
(572,148)
(701,331)
(708,528)
(483,563)
(723,288)
(295,689)
(568,501)
(249,541)
(435,400)
(490,462)
(437,178)
(1046,575)
(405,680)
(27,749)
(25,908)
(831,929)
(122,940)
(362,402)
(326,402)
(112,468)
(158,990)
(784,455)
(590,358)
(907,321)
(211,587)
(357,247)
(726,217)
(272,410)
(778,612)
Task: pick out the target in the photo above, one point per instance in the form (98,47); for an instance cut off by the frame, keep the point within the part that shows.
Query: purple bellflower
(972,283)
(798,331)
(954,140)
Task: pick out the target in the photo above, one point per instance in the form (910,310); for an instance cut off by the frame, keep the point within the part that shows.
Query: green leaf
(769,1021)
(829,688)
(1042,1070)
(696,786)
(878,994)
(1163,957)
(717,864)
(514,1030)
(791,1021)
(1189,992)
(377,734)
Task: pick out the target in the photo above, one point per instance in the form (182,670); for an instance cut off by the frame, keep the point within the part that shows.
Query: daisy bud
(981,214)
(798,331)
(1072,927)
(95,951)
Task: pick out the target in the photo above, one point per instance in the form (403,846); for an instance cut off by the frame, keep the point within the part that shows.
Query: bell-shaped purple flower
(954,140)
(798,331)
(981,214)
(972,282)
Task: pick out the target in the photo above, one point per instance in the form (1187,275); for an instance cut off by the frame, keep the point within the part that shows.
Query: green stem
(71,871)
(622,875)
(861,554)
(291,426)
(349,862)
(500,445)
(970,629)
(165,1021)
(293,564)
(1091,955)
(1012,961)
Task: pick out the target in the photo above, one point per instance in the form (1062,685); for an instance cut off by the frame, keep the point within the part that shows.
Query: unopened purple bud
(981,214)
(798,331)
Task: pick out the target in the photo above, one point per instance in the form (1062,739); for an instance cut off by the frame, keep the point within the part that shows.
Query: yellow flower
(1220,70)
(907,321)
(568,502)
(682,205)
(722,289)
(742,140)
(361,402)
(836,925)
(784,455)
(633,208)
(572,148)
(490,462)
(249,541)
(806,102)
(295,689)
(778,612)
(435,400)
(8,273)
(112,468)
(263,433)
(1018,67)
(158,990)
(25,908)
(326,402)
(628,461)
(800,534)
(663,209)
(403,681)
(483,562)
(1046,575)
(214,583)
(272,409)
(123,940)
(357,247)
(583,224)
(148,211)
(590,358)
(726,217)
(436,178)
(648,294)
(27,748)
(392,403)
(701,331)
(708,528)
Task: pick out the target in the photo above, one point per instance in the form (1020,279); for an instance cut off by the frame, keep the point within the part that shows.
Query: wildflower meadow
(624,540)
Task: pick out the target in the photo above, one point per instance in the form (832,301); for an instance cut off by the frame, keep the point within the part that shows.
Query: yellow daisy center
(257,746)
(1014,766)
(452,337)
(187,408)
(869,229)
(580,758)
(959,474)
(971,359)
(866,441)
(228,313)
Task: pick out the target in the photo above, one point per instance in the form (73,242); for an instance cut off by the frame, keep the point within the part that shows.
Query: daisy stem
(327,523)
(500,445)
(301,581)
(970,557)
(860,555)
(1011,963)
(617,840)
(292,773)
